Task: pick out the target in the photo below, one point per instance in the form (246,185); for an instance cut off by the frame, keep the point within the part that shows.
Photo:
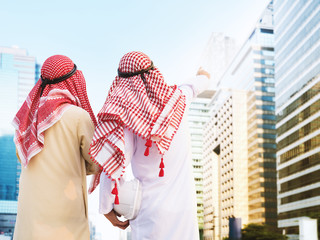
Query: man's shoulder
(75,112)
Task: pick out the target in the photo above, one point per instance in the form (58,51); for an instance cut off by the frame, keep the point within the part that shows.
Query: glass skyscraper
(18,74)
(10,170)
(297,59)
(252,70)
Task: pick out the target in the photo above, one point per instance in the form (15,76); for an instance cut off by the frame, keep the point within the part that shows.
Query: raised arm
(194,86)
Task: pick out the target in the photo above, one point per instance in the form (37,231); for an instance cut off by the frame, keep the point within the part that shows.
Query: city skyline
(102,92)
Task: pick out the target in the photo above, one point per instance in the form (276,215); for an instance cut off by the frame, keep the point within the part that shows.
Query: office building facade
(297,59)
(199,114)
(252,70)
(225,164)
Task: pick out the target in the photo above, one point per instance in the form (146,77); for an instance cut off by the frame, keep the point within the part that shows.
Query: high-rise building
(225,164)
(217,55)
(252,70)
(199,114)
(10,172)
(297,59)
(18,73)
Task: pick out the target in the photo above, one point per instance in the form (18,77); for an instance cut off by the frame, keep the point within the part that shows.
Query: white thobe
(168,208)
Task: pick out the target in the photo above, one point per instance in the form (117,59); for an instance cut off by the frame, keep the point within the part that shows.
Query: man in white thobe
(168,207)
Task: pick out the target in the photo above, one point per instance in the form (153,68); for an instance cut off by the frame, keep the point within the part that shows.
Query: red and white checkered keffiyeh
(37,114)
(143,103)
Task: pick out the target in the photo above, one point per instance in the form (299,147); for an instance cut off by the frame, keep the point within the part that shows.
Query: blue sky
(96,34)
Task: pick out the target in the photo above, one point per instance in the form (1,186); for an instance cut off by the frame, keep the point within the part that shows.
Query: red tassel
(115,192)
(115,189)
(161,173)
(148,145)
(116,200)
(146,152)
(161,164)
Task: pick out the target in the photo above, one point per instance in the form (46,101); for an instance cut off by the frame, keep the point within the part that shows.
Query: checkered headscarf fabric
(143,103)
(37,114)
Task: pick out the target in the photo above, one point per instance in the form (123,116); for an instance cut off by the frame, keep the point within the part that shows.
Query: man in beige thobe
(54,128)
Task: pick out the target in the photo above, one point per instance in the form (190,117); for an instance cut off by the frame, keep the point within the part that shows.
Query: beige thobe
(52,201)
